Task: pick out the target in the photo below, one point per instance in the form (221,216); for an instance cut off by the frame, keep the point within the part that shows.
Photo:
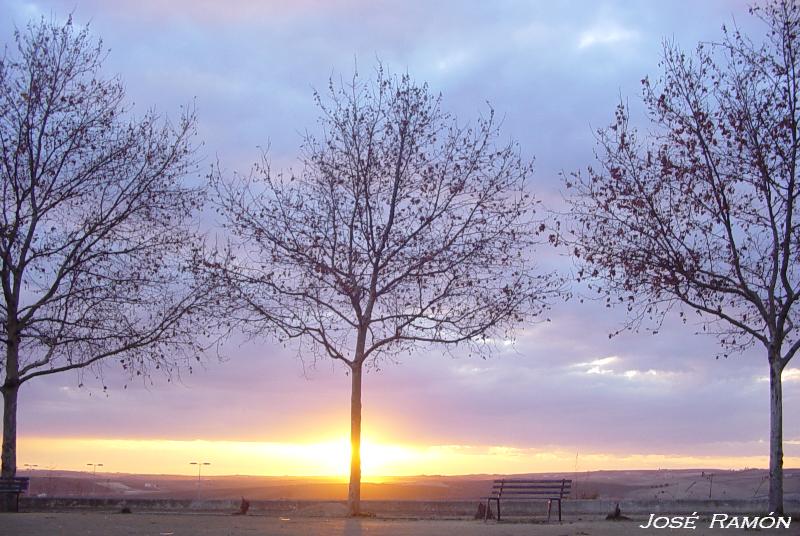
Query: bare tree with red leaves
(700,212)
(402,229)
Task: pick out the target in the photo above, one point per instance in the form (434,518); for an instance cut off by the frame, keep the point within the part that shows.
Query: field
(634,485)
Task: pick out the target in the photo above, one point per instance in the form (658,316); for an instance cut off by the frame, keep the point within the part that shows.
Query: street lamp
(94,466)
(199,468)
(49,469)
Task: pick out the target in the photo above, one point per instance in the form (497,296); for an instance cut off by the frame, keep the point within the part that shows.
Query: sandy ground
(104,524)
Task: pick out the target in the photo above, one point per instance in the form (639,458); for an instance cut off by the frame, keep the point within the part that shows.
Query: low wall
(418,509)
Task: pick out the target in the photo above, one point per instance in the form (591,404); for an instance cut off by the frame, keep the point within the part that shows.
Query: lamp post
(94,466)
(199,469)
(30,466)
(50,469)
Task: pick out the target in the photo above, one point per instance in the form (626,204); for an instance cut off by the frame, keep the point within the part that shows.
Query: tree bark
(10,390)
(775,436)
(9,453)
(354,493)
(9,457)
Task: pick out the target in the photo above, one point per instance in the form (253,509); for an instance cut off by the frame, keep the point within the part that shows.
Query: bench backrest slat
(519,481)
(532,486)
(14,485)
(520,488)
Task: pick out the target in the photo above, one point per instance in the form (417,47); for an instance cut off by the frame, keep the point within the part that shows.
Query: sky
(563,397)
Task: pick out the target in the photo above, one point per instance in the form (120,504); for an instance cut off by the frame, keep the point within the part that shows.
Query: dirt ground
(105,524)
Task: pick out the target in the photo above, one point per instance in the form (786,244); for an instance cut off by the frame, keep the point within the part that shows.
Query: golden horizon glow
(330,458)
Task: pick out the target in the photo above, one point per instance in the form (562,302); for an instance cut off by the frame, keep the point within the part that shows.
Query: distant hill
(666,484)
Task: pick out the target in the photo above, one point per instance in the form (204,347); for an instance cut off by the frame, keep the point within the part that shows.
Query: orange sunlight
(330,458)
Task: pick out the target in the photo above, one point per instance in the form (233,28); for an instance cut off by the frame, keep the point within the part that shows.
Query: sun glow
(331,458)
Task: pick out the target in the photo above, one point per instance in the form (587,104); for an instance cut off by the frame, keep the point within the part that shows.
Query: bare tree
(403,228)
(701,211)
(94,221)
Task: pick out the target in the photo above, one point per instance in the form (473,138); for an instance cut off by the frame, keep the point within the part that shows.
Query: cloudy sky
(565,396)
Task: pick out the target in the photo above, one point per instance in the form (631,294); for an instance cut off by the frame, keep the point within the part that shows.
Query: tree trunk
(9,453)
(775,437)
(354,493)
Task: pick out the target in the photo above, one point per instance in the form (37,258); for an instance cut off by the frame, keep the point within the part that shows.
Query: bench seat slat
(529,482)
(529,486)
(541,489)
(532,494)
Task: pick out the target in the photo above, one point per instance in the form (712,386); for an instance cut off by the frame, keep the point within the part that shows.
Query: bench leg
(559,510)
(549,505)
(489,508)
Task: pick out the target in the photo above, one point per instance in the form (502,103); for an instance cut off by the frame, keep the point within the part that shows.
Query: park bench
(523,490)
(14,486)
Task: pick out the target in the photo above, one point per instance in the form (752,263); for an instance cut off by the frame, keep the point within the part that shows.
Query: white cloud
(788,375)
(605,367)
(606,33)
(598,366)
(603,361)
(453,60)
(791,375)
(631,374)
